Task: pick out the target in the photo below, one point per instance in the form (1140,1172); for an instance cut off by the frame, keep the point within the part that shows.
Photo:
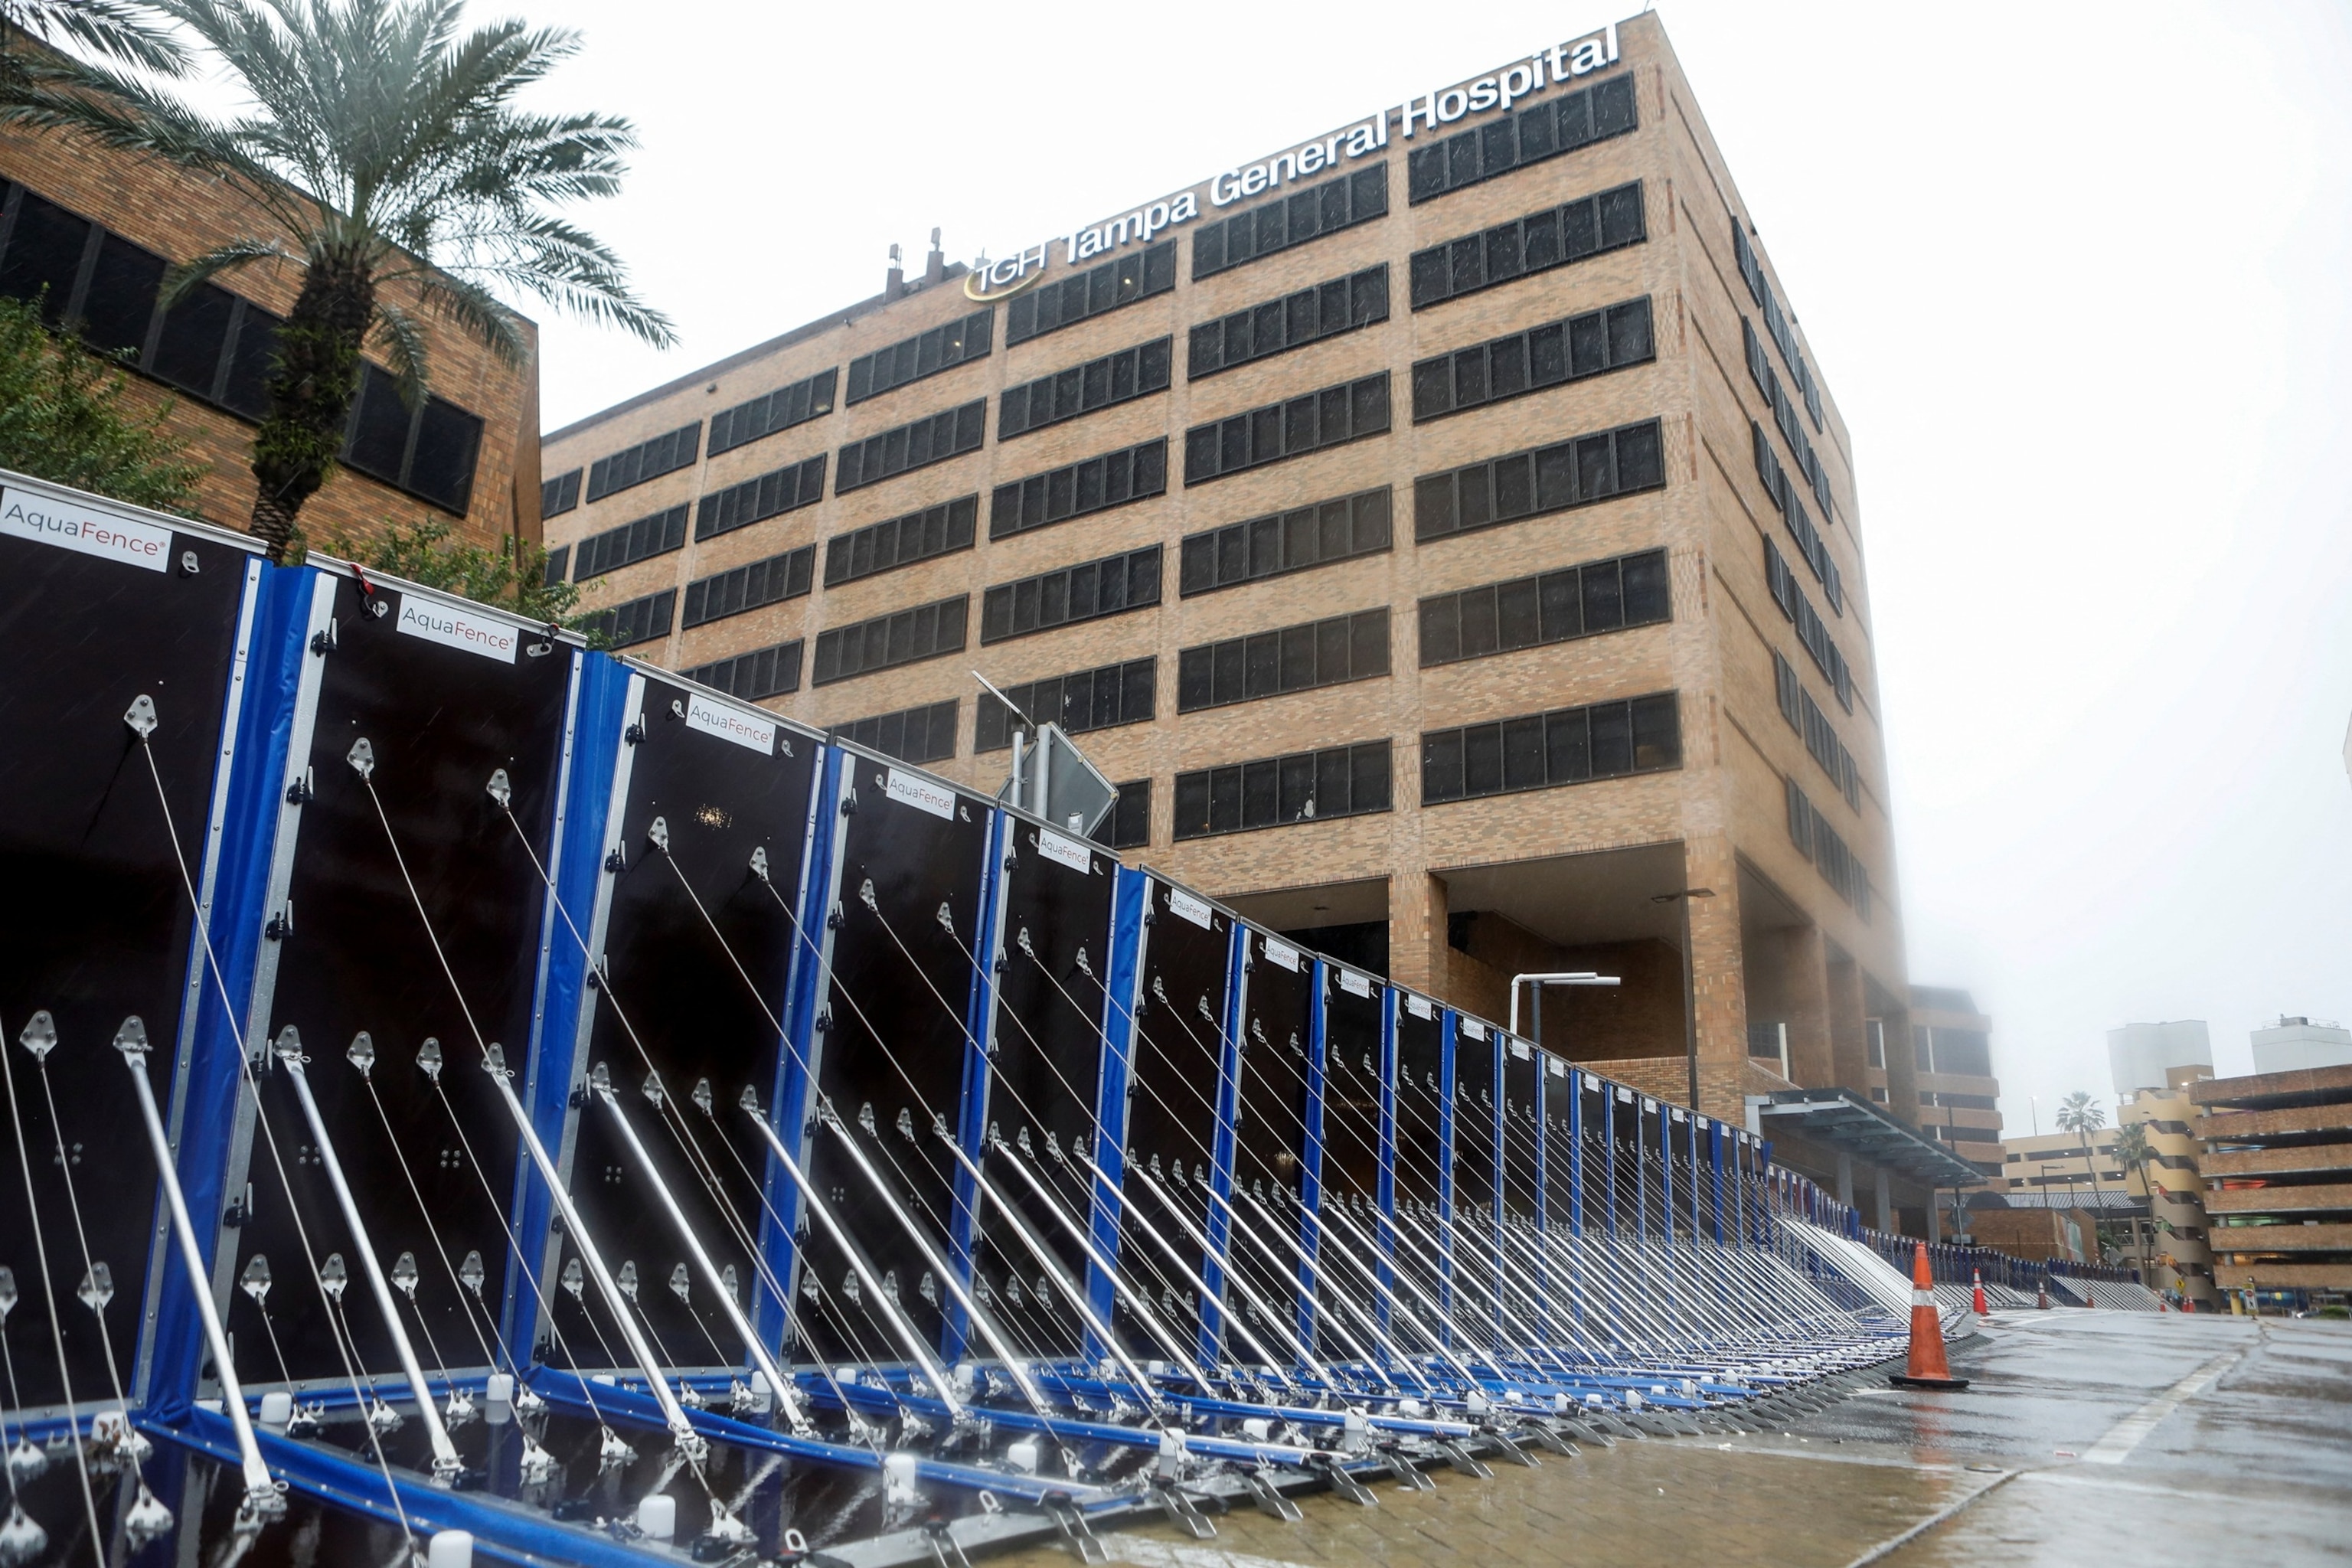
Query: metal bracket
(282,924)
(1063,1509)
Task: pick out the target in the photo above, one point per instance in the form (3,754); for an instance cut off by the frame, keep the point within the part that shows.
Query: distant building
(2141,1054)
(2278,1174)
(2052,1170)
(1951,1052)
(2296,1044)
(2174,1250)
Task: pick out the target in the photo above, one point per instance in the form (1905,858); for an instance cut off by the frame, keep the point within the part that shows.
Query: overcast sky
(2078,276)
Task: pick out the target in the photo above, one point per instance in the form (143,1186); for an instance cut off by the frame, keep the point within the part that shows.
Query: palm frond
(122,30)
(185,278)
(405,351)
(470,307)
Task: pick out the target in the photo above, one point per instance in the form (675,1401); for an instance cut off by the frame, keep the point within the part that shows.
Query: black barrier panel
(94,923)
(687,1022)
(1473,1127)
(1519,1129)
(354,955)
(1172,1116)
(1045,1069)
(898,997)
(1592,1102)
(1351,1092)
(1270,1153)
(1627,1136)
(1419,1150)
(1559,1143)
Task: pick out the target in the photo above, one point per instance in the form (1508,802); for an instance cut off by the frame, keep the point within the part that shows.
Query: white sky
(2076,275)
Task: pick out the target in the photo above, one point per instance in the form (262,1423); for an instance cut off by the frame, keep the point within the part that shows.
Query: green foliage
(2132,1150)
(2081,1114)
(513,577)
(63,418)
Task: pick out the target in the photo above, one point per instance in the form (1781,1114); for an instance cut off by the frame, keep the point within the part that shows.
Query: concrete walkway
(2087,1436)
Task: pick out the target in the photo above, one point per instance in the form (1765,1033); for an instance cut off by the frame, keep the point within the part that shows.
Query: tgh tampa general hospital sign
(1523,79)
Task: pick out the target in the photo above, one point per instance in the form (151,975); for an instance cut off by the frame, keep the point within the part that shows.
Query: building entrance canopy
(1838,1119)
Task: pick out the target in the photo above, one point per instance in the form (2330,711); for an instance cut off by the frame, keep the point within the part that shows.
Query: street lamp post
(1690,984)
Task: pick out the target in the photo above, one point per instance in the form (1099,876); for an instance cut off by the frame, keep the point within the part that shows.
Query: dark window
(1272,792)
(636,621)
(646,461)
(1527,611)
(1575,472)
(441,458)
(1550,355)
(253,346)
(1283,541)
(783,490)
(376,442)
(1776,321)
(1293,320)
(1811,632)
(1817,841)
(1821,741)
(1087,592)
(188,351)
(926,354)
(1307,423)
(1086,700)
(1786,692)
(1094,484)
(1328,652)
(1542,751)
(931,439)
(1511,141)
(1539,242)
(558,564)
(897,541)
(779,410)
(924,734)
(755,676)
(750,587)
(120,298)
(884,642)
(632,541)
(1102,383)
(1128,825)
(1810,543)
(46,246)
(1293,219)
(558,495)
(1050,307)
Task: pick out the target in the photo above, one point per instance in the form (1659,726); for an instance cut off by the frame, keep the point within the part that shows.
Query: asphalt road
(2086,1436)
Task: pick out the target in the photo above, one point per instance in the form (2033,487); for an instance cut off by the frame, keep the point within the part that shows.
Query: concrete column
(1716,974)
(1805,986)
(1886,1202)
(1934,1217)
(1417,950)
(1849,1043)
(1846,1178)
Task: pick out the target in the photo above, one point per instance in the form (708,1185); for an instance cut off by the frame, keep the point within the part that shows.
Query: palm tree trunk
(313,382)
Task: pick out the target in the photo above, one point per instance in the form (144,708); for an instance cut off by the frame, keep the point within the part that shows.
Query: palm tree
(395,171)
(125,32)
(2133,1152)
(2080,1114)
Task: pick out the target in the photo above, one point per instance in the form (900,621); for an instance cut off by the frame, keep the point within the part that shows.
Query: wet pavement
(2085,1435)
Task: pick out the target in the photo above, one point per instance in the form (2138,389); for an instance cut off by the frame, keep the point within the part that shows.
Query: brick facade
(1719,821)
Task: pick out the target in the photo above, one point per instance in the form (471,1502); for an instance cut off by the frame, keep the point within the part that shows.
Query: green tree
(62,417)
(513,577)
(118,32)
(2133,1152)
(397,173)
(2082,1115)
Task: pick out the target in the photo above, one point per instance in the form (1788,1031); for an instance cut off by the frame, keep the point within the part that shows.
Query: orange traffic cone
(1982,1309)
(1926,1367)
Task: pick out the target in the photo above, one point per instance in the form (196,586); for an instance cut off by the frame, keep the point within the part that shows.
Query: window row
(1798,520)
(1776,321)
(884,642)
(1273,792)
(559,565)
(1069,594)
(931,439)
(1572,473)
(802,401)
(634,621)
(1527,612)
(646,461)
(1307,423)
(1607,220)
(1805,717)
(1519,363)
(756,676)
(216,346)
(1084,700)
(1128,825)
(1539,750)
(1294,321)
(1511,141)
(1050,307)
(558,495)
(1817,841)
(924,734)
(1784,415)
(1329,652)
(897,541)
(631,542)
(926,354)
(1098,383)
(1089,484)
(1810,630)
(1283,541)
(788,489)
(1293,219)
(752,586)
